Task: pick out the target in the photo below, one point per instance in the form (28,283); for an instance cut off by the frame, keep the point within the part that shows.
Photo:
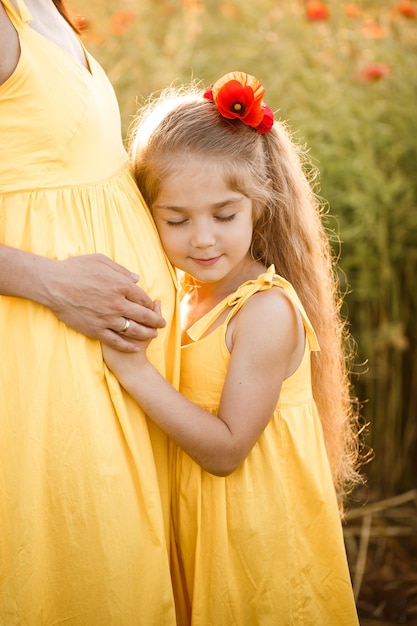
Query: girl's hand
(126,366)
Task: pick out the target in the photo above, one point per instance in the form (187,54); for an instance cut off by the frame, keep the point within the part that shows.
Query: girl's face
(205,227)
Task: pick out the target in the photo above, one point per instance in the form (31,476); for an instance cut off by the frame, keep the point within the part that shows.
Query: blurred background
(344,77)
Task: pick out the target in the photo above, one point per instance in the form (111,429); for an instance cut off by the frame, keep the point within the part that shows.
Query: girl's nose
(203,236)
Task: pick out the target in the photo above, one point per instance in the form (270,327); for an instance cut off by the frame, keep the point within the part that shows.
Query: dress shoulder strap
(19,15)
(236,300)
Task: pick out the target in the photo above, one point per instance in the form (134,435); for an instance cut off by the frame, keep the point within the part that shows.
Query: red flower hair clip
(239,95)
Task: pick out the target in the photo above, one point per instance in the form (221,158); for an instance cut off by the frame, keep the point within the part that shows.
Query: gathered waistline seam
(97,183)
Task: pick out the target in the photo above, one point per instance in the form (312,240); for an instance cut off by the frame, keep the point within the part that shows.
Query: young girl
(264,448)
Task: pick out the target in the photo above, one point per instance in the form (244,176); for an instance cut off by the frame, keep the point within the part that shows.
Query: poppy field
(343,75)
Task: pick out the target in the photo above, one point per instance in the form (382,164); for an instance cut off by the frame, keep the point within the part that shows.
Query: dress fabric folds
(84,485)
(264,545)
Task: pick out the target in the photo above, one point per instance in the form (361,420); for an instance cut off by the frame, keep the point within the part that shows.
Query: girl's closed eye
(225,218)
(176,222)
(181,222)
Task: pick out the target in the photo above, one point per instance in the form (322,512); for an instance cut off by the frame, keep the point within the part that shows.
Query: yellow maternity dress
(263,546)
(84,498)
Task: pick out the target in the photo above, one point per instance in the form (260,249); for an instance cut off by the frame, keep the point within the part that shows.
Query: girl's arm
(268,343)
(91,293)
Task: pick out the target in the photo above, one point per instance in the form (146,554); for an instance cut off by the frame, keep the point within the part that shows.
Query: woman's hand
(91,293)
(94,295)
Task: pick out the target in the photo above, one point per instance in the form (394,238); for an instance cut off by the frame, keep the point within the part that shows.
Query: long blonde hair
(272,170)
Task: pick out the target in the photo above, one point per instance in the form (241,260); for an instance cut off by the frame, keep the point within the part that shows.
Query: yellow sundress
(84,487)
(263,546)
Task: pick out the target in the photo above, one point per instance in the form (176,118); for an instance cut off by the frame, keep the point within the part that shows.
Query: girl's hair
(274,172)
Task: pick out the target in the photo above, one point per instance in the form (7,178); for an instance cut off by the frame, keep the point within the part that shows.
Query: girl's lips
(206,262)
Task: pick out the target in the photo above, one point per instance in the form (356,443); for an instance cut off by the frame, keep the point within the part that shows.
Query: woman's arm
(91,293)
(263,355)
(9,46)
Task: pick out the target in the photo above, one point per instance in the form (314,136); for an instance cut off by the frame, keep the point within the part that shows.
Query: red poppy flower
(352,10)
(407,9)
(121,20)
(267,122)
(374,71)
(317,10)
(239,96)
(80,23)
(373,30)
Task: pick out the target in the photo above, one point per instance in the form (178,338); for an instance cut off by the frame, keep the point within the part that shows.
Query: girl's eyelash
(227,218)
(175,223)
